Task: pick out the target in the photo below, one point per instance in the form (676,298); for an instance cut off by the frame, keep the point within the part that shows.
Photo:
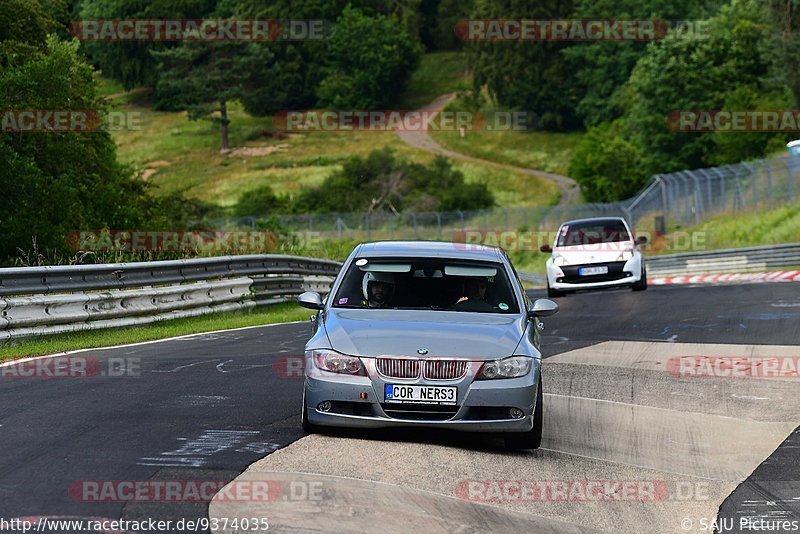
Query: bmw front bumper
(481,405)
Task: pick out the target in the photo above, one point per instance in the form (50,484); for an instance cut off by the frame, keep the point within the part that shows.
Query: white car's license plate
(420,394)
(589,271)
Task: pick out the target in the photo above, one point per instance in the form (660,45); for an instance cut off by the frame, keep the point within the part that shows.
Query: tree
(131,62)
(606,166)
(602,68)
(204,77)
(259,201)
(368,62)
(733,59)
(55,183)
(383,183)
(785,14)
(529,76)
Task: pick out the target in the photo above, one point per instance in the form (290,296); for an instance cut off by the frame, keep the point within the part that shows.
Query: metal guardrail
(741,260)
(45,300)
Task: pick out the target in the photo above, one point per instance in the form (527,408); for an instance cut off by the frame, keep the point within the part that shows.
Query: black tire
(553,293)
(533,438)
(308,427)
(641,285)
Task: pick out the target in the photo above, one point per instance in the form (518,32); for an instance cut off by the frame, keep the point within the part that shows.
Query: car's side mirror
(311,300)
(641,240)
(546,248)
(543,308)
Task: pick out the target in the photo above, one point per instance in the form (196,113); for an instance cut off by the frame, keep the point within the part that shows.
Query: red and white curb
(779,276)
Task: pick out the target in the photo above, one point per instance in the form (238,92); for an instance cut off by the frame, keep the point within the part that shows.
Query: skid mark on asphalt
(612,413)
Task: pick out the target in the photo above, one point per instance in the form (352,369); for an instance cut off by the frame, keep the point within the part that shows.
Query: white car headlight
(625,255)
(333,362)
(512,367)
(559,261)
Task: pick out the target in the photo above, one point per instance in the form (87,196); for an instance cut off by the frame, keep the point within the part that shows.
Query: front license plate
(420,394)
(589,271)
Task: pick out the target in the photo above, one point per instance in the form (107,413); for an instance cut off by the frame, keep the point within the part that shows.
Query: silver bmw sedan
(426,334)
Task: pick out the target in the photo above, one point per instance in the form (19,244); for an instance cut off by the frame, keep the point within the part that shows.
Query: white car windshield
(592,233)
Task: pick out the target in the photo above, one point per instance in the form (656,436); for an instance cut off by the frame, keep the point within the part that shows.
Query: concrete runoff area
(667,449)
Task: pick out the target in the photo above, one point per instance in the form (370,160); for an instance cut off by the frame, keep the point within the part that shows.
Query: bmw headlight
(512,367)
(625,255)
(334,362)
(559,261)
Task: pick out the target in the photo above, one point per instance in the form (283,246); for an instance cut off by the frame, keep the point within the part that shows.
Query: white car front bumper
(566,278)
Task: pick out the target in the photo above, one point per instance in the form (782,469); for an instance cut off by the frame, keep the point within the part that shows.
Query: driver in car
(378,289)
(475,299)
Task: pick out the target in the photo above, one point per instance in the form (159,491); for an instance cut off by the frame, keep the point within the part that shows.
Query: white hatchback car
(593,254)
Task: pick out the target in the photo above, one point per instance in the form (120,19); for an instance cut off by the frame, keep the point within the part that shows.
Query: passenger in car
(475,299)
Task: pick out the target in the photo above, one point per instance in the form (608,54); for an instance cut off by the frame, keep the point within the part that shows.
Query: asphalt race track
(205,407)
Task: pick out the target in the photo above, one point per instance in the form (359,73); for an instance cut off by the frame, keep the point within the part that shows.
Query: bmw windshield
(432,284)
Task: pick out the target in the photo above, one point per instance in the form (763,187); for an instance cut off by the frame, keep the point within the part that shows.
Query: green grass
(774,227)
(438,73)
(545,151)
(107,87)
(39,345)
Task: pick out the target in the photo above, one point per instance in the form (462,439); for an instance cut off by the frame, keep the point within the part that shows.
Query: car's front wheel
(641,285)
(533,438)
(308,427)
(553,293)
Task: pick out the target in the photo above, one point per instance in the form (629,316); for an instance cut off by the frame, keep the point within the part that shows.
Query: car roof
(429,249)
(594,219)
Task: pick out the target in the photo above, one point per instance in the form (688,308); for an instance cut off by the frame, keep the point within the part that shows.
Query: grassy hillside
(774,227)
(545,151)
(176,154)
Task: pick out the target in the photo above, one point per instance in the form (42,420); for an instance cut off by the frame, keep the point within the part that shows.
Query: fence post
(768,169)
(414,218)
(698,198)
(789,175)
(753,178)
(664,201)
(721,203)
(439,224)
(708,203)
(369,232)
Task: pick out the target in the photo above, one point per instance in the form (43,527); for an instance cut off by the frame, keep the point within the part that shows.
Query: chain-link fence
(682,198)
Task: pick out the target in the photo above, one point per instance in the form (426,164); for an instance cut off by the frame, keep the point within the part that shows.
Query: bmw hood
(404,332)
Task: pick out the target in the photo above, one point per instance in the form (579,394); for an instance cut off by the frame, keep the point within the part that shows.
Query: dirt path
(421,139)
